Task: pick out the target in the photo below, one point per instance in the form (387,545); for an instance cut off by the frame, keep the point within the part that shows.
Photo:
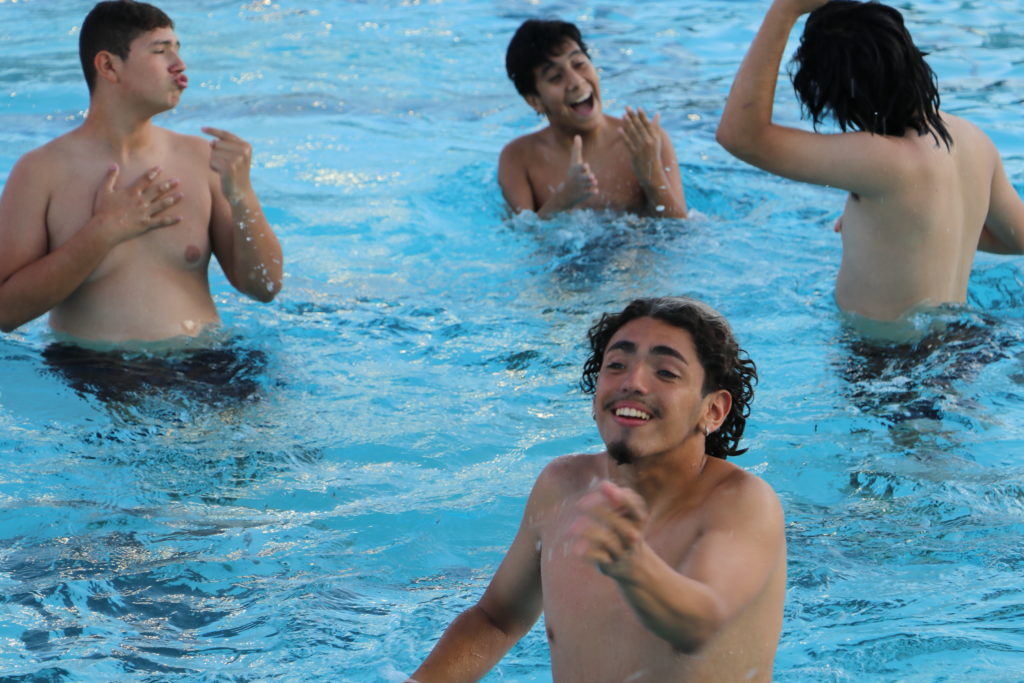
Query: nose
(575,80)
(178,64)
(634,380)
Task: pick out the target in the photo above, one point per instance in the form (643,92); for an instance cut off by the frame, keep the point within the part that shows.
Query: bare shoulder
(967,137)
(569,475)
(738,493)
(522,148)
(189,144)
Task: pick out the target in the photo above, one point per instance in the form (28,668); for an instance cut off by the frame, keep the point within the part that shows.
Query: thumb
(576,155)
(112,172)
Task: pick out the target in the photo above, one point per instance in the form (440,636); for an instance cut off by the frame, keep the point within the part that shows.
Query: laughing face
(568,89)
(649,399)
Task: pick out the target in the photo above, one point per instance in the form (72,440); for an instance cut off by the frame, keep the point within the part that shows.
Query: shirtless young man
(657,560)
(584,158)
(110,227)
(927,189)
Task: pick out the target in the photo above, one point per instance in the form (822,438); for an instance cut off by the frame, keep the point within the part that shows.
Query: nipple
(192,253)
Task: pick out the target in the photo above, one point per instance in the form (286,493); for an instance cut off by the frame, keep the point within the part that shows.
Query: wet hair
(857,61)
(534,41)
(112,26)
(726,365)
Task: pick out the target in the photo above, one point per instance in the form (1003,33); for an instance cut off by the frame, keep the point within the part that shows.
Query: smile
(632,413)
(583,105)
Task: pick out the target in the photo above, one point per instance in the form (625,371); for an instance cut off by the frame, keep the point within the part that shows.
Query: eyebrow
(547,65)
(629,347)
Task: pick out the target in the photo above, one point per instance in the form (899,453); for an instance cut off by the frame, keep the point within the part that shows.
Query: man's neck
(124,131)
(665,480)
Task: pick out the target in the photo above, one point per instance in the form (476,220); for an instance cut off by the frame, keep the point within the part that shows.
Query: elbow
(732,139)
(267,293)
(692,640)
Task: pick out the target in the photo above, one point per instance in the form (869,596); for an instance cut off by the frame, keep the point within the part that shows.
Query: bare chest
(183,246)
(617,186)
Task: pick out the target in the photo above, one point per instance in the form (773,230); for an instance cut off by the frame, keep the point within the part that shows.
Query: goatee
(621,453)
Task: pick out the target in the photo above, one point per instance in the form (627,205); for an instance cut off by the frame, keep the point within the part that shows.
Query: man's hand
(136,209)
(230,157)
(580,183)
(609,528)
(643,139)
(801,6)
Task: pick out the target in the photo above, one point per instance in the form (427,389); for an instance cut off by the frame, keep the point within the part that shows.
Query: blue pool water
(419,368)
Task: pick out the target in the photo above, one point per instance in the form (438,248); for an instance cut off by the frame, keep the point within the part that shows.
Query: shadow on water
(584,249)
(922,387)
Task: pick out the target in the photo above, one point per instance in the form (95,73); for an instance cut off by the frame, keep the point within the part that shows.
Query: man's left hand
(230,157)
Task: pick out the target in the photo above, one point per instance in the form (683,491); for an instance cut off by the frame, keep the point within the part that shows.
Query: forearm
(257,262)
(677,609)
(467,650)
(44,284)
(748,109)
(665,196)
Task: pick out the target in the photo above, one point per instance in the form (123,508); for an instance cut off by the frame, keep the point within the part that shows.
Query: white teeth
(583,99)
(632,412)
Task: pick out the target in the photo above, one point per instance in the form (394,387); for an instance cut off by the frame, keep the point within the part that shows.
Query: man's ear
(717,407)
(108,66)
(535,103)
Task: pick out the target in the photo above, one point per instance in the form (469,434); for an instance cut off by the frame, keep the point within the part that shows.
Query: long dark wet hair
(726,365)
(857,61)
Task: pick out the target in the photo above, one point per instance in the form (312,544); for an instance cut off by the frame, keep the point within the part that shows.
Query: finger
(576,155)
(156,191)
(112,173)
(146,179)
(657,120)
(221,134)
(162,205)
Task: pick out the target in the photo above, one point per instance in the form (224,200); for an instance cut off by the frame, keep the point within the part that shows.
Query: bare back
(914,243)
(151,287)
(594,634)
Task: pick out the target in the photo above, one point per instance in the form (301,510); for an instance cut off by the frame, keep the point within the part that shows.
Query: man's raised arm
(858,162)
(243,240)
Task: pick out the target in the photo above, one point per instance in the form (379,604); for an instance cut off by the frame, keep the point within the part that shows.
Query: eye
(667,374)
(614,365)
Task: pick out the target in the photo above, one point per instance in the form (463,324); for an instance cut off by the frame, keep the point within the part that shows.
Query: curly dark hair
(112,26)
(858,61)
(726,365)
(534,41)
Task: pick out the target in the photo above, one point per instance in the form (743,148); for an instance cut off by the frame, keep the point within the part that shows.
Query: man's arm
(480,636)
(1003,232)
(728,567)
(243,241)
(654,163)
(857,162)
(579,185)
(34,279)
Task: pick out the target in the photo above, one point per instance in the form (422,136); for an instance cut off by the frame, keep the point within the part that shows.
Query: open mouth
(632,413)
(584,106)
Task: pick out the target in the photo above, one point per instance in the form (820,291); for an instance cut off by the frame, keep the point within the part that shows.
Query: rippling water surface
(357,482)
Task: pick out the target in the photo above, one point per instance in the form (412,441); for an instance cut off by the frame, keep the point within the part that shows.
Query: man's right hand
(580,183)
(128,212)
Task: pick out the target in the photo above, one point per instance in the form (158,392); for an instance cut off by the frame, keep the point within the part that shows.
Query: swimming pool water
(419,367)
